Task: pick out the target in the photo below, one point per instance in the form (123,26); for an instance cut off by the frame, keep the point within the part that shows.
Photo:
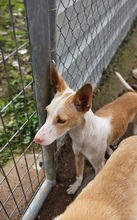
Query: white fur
(91,134)
(124,82)
(49,132)
(89,139)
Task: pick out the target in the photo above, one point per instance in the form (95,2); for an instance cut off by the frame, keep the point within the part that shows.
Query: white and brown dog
(112,195)
(91,133)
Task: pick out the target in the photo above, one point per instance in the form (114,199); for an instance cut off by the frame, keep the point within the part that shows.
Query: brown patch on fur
(68,113)
(121,111)
(113,193)
(79,164)
(57,82)
(83,98)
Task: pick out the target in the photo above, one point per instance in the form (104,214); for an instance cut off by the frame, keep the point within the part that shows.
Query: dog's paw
(74,187)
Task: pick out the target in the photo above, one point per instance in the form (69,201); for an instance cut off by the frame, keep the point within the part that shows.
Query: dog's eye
(61,121)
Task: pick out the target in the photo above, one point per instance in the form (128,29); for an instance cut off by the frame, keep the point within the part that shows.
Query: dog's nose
(37,140)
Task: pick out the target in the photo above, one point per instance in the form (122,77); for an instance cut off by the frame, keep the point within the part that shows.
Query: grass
(18,117)
(6,24)
(14,116)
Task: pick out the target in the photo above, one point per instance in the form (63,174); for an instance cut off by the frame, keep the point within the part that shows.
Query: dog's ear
(58,84)
(83,98)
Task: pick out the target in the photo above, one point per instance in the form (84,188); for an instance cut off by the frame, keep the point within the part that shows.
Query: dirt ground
(12,177)
(124,62)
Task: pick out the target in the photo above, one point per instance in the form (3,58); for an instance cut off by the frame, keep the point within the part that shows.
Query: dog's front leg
(97,160)
(79,163)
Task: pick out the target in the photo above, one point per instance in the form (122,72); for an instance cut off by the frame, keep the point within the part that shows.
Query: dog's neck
(90,120)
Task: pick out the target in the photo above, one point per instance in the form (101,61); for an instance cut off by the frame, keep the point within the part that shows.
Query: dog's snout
(38,140)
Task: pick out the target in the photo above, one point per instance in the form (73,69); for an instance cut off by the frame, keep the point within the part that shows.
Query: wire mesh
(87,35)
(20,177)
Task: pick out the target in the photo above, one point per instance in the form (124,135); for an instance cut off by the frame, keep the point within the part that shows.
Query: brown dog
(91,133)
(112,195)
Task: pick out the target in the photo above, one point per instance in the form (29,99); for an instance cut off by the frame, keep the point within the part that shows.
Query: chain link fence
(82,36)
(19,176)
(88,35)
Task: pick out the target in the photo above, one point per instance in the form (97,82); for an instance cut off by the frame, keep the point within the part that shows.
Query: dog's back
(112,195)
(122,111)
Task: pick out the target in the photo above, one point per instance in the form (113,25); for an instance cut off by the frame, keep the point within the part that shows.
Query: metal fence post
(39,37)
(52,21)
(37,14)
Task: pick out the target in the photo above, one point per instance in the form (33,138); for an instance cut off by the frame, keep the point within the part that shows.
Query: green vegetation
(19,112)
(6,25)
(17,104)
